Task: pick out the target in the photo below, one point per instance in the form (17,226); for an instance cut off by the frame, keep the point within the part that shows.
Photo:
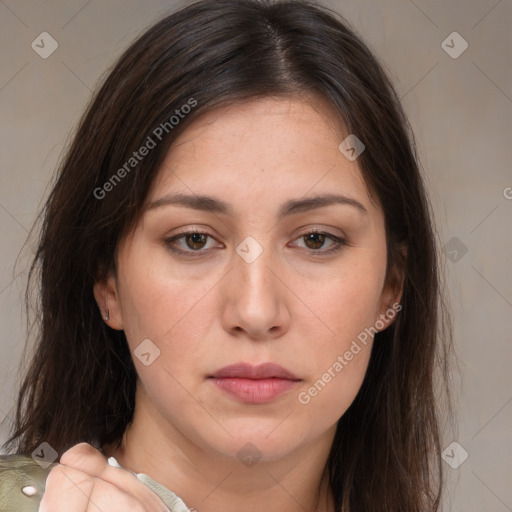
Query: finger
(88,459)
(84,457)
(71,490)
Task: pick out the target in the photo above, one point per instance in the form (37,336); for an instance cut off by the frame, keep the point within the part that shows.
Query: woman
(239,280)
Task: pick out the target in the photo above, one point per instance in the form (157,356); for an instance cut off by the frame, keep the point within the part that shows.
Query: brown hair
(80,384)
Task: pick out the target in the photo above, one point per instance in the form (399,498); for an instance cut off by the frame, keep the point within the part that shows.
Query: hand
(85,482)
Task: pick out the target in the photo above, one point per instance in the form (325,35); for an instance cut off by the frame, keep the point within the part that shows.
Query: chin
(257,438)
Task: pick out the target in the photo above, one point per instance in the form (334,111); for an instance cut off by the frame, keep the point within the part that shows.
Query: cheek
(162,305)
(347,306)
(331,391)
(346,302)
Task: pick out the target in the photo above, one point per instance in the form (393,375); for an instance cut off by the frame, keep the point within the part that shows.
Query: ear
(393,289)
(107,297)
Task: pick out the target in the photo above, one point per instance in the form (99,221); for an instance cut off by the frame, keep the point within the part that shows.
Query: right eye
(190,243)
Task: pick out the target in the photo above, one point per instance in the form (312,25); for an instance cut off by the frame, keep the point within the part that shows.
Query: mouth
(254,384)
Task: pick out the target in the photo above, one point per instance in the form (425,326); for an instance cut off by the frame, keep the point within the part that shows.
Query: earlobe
(388,312)
(105,293)
(392,295)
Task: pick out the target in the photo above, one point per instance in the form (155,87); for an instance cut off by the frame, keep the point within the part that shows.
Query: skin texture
(291,306)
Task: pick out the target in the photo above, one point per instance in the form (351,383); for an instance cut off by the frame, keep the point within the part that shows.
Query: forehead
(275,146)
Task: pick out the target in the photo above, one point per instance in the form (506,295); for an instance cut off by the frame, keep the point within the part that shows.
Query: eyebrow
(291,207)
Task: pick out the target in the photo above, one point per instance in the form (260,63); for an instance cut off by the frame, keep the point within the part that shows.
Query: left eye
(315,240)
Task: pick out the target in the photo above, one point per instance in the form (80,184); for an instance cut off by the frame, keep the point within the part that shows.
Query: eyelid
(338,242)
(168,241)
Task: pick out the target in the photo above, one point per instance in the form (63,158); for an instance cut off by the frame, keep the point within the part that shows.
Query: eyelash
(339,243)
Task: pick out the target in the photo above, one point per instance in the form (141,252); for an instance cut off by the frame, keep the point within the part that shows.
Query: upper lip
(248,371)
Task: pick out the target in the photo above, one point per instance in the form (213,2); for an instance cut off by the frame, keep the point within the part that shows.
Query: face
(266,276)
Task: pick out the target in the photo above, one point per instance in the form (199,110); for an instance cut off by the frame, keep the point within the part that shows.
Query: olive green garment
(22,484)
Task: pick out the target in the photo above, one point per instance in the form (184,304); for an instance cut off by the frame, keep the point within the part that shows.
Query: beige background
(460,109)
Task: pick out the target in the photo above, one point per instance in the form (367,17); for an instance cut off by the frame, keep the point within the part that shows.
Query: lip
(254,384)
(248,371)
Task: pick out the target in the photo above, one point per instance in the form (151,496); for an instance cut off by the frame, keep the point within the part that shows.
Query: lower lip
(254,391)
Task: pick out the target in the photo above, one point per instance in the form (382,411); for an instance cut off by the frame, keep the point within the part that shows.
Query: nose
(256,300)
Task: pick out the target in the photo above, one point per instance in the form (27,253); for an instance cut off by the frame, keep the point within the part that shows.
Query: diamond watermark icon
(249,455)
(455,249)
(44,45)
(454,455)
(44,455)
(249,249)
(146,352)
(351,147)
(454,45)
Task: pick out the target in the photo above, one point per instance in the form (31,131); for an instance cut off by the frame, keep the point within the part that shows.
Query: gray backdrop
(459,101)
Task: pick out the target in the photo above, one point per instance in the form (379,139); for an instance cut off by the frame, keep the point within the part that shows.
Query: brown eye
(319,243)
(314,240)
(196,241)
(191,243)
